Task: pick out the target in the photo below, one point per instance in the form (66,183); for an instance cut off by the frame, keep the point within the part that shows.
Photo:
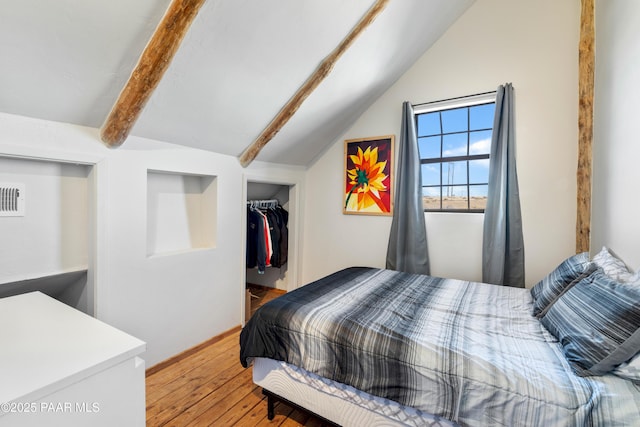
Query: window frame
(451,104)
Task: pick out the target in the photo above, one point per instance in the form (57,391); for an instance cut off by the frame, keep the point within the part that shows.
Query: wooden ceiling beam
(153,63)
(310,85)
(586,65)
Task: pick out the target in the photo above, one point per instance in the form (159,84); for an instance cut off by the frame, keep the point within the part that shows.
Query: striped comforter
(465,351)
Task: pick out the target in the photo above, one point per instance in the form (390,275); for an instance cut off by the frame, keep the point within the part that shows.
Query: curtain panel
(407,249)
(503,244)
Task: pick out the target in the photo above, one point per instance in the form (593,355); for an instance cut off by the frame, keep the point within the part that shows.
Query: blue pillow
(569,272)
(597,322)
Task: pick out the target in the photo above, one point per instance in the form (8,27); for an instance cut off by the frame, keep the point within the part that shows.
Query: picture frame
(368,175)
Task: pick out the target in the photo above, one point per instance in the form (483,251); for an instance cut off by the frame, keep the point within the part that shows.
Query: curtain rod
(453,99)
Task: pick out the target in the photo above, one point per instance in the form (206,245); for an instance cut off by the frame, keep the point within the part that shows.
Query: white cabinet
(61,367)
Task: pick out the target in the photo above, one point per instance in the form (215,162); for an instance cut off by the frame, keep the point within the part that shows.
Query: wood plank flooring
(209,387)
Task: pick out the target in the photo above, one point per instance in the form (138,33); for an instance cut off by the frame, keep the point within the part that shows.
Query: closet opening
(270,236)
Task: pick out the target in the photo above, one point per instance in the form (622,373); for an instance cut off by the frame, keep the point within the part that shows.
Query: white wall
(616,149)
(172,302)
(534,46)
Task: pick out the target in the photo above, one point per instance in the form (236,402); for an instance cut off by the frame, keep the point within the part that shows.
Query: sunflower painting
(368,168)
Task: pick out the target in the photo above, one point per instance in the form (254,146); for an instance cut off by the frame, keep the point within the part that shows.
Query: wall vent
(12,199)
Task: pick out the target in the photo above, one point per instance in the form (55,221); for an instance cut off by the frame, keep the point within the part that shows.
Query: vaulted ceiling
(240,62)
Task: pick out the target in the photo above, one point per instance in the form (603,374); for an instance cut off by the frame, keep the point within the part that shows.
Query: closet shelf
(50,284)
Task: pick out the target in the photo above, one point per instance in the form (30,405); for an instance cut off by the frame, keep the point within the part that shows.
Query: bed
(367,346)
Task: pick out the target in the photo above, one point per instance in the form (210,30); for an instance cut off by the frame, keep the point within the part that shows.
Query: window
(454,138)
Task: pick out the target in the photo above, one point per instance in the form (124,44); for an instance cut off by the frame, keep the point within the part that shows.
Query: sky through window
(454,148)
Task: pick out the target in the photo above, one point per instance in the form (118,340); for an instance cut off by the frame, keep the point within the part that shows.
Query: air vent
(12,199)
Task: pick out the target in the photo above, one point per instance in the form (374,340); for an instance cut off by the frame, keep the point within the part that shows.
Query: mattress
(339,403)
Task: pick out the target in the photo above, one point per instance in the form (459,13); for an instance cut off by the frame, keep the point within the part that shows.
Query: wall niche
(181,212)
(48,247)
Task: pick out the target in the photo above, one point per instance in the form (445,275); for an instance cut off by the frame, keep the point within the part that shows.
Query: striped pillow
(550,288)
(612,265)
(597,322)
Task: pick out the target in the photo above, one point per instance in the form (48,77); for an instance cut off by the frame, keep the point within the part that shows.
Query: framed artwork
(368,169)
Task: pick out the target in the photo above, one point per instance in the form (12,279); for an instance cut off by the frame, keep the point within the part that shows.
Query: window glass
(429,124)
(431,197)
(430,147)
(431,174)
(455,145)
(478,196)
(480,142)
(454,120)
(454,173)
(479,171)
(481,117)
(455,197)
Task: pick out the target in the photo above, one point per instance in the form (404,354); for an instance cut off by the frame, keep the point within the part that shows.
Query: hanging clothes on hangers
(267,234)
(256,247)
(274,230)
(282,219)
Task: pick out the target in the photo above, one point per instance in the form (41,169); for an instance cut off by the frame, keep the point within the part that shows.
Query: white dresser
(61,367)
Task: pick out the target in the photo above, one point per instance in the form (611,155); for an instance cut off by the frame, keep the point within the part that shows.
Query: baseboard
(178,357)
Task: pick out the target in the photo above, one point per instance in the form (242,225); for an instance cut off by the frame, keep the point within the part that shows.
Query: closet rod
(263,203)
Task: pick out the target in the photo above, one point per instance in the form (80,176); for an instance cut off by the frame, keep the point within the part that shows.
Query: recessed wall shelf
(181,212)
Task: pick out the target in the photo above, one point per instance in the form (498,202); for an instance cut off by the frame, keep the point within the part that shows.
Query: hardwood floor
(261,295)
(209,387)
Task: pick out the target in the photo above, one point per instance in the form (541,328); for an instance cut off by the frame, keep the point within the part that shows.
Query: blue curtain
(407,249)
(503,245)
